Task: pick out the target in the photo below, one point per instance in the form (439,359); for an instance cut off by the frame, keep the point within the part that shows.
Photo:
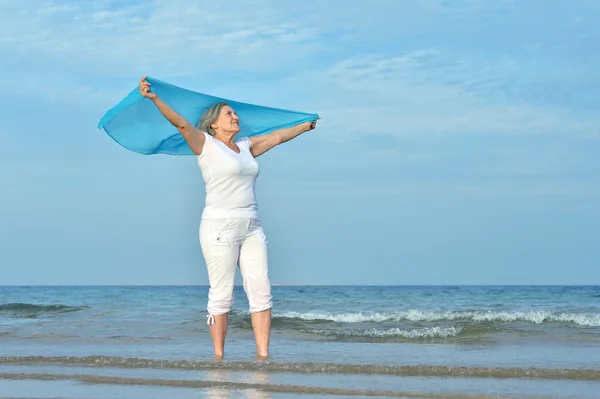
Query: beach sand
(214,379)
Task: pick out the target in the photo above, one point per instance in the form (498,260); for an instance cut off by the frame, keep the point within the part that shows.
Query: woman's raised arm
(261,144)
(193,136)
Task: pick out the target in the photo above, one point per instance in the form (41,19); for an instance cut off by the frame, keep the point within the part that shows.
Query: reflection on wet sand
(258,378)
(255,378)
(218,392)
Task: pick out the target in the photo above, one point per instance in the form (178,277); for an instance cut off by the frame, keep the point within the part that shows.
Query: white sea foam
(415,315)
(430,332)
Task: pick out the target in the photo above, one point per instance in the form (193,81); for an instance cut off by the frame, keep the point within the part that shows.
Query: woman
(230,232)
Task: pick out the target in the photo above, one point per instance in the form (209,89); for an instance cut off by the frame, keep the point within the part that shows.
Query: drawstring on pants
(211,319)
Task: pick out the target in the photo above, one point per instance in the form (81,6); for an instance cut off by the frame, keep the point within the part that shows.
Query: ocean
(458,342)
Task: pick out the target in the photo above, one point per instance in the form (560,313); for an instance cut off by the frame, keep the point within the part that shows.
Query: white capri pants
(226,244)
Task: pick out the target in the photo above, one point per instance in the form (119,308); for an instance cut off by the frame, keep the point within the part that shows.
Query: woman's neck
(225,138)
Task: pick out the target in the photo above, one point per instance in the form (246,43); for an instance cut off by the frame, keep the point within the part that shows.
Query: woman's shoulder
(208,139)
(243,141)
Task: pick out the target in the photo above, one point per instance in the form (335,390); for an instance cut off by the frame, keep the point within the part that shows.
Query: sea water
(520,341)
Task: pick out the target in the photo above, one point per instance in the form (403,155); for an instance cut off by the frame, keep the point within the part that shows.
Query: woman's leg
(255,272)
(220,248)
(218,331)
(261,323)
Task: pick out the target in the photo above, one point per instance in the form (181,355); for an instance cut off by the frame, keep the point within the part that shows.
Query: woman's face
(228,121)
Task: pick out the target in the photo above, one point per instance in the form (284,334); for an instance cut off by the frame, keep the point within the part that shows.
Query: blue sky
(459,141)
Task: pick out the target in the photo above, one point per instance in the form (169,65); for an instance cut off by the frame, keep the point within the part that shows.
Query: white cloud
(170,38)
(362,66)
(411,94)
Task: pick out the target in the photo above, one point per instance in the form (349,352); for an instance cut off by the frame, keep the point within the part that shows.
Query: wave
(391,334)
(18,309)
(311,367)
(415,315)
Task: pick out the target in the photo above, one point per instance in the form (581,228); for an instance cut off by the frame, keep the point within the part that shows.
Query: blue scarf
(136,124)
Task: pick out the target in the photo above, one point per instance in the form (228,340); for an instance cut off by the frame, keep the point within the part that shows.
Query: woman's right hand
(145,89)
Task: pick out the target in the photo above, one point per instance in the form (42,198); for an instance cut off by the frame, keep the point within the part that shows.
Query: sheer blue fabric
(136,124)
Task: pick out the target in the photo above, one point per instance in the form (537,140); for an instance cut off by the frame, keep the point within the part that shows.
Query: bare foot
(218,357)
(262,357)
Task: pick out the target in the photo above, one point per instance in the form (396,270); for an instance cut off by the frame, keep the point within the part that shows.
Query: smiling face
(227,122)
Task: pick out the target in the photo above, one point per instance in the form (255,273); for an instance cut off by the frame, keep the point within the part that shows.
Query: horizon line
(311,285)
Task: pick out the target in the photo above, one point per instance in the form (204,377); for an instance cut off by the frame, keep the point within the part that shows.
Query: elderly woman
(230,230)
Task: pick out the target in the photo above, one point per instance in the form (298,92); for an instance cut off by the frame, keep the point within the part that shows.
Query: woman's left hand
(311,125)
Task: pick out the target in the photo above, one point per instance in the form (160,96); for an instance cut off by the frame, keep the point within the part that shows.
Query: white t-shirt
(229,178)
